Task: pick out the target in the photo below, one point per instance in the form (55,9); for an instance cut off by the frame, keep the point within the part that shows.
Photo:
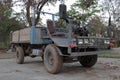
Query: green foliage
(112,55)
(7,24)
(82,10)
(96,27)
(85,4)
(60,23)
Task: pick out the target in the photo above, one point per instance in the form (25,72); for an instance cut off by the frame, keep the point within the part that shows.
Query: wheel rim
(17,55)
(50,59)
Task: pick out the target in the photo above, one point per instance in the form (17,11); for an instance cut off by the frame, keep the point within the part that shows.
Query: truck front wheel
(52,59)
(88,61)
(19,55)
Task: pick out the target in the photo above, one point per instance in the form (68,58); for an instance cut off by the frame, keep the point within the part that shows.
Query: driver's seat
(51,29)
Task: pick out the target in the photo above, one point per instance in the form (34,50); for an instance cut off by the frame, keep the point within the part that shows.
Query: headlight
(106,41)
(86,41)
(74,41)
(80,41)
(93,40)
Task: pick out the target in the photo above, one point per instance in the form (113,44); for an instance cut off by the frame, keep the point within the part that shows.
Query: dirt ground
(33,69)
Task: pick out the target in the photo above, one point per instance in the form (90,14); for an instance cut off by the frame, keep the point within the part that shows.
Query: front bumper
(90,53)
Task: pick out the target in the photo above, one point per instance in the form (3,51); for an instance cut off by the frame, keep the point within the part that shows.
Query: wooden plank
(21,36)
(25,35)
(15,37)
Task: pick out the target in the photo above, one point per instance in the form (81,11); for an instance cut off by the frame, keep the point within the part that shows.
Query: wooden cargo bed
(29,35)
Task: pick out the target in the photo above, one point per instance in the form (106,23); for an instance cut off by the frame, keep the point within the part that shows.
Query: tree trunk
(108,28)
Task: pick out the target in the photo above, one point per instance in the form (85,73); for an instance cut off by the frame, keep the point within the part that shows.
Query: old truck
(57,45)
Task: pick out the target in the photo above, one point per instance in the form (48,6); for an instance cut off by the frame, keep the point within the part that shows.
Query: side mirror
(63,11)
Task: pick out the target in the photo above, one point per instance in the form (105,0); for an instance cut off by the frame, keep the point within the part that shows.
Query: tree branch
(43,2)
(28,12)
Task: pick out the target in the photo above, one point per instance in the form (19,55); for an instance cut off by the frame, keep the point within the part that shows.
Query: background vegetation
(8,23)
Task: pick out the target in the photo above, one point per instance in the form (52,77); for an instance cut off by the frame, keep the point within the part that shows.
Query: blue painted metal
(53,19)
(32,31)
(33,18)
(32,35)
(47,13)
(53,15)
(43,41)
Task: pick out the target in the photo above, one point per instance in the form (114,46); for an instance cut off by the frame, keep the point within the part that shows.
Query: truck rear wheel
(52,59)
(19,55)
(88,61)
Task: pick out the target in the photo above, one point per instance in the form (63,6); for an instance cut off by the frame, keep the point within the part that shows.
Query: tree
(7,23)
(29,5)
(7,3)
(112,7)
(96,27)
(82,10)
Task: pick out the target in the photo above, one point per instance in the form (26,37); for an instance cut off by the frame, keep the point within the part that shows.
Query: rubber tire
(57,59)
(88,61)
(19,55)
